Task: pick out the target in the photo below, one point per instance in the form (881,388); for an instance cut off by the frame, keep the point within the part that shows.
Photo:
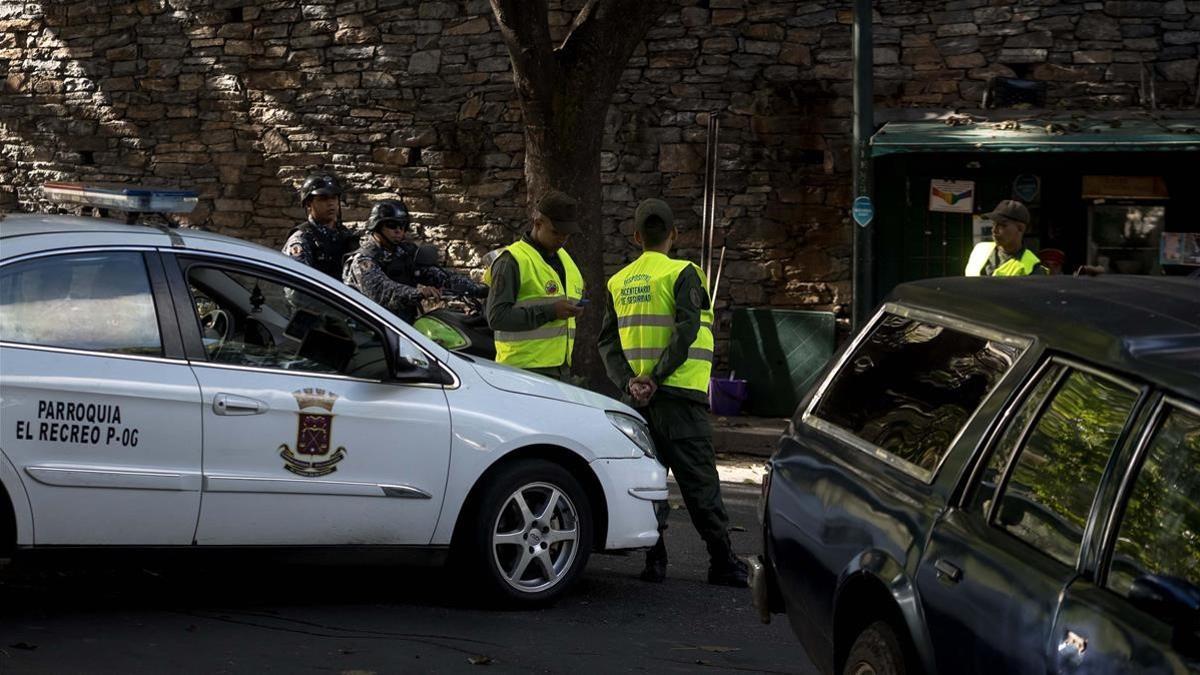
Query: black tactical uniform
(390,278)
(389,274)
(321,246)
(317,245)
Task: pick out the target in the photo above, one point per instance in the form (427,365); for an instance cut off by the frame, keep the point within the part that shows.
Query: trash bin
(780,352)
(725,396)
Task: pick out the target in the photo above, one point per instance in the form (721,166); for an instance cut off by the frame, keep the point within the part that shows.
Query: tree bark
(564,94)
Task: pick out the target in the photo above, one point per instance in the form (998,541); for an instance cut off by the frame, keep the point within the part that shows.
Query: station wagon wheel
(531,534)
(876,651)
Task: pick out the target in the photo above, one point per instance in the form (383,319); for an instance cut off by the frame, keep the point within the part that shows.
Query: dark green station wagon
(997,476)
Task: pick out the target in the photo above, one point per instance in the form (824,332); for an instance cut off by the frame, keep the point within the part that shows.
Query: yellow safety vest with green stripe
(643,295)
(1012,268)
(550,344)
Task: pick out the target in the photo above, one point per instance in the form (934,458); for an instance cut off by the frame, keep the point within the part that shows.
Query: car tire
(876,651)
(529,555)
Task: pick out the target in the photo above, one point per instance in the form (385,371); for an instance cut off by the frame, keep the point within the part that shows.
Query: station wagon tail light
(128,198)
(635,430)
(762,495)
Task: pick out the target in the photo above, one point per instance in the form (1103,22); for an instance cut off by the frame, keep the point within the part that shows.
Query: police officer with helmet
(656,340)
(321,241)
(536,292)
(383,268)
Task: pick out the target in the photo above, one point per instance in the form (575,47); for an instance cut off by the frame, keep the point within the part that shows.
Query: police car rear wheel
(533,533)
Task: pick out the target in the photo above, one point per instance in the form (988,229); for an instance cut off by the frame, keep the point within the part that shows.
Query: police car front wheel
(533,533)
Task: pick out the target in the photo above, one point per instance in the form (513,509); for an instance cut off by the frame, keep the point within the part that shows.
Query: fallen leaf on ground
(717,649)
(479,660)
(736,528)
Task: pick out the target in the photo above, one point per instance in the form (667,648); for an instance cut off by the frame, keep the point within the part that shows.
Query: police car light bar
(131,199)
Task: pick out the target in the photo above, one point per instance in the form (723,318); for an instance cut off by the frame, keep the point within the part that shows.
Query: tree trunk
(563,137)
(564,95)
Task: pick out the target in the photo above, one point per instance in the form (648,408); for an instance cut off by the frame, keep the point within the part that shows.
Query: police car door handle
(228,404)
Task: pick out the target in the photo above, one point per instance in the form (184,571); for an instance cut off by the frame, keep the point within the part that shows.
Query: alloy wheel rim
(535,537)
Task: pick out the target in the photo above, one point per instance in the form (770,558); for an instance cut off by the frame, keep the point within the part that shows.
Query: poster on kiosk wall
(1180,248)
(952,196)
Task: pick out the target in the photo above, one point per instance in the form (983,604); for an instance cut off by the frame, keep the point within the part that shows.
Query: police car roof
(25,224)
(1147,327)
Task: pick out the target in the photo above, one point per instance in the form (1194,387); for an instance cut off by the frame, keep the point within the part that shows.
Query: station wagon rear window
(910,386)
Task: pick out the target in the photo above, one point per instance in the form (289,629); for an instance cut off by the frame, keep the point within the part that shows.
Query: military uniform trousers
(682,436)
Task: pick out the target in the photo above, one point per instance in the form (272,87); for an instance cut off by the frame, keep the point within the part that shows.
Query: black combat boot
(656,563)
(724,568)
(729,573)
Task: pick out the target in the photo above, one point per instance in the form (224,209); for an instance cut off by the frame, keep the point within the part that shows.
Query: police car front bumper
(631,486)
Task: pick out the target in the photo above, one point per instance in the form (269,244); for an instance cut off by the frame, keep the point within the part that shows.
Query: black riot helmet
(390,211)
(319,184)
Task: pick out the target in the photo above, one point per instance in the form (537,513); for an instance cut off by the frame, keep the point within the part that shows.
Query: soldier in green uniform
(657,344)
(535,292)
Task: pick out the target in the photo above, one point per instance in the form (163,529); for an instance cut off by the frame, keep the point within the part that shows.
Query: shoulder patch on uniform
(697,298)
(295,249)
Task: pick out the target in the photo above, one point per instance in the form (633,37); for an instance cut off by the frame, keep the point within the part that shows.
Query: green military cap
(562,210)
(653,207)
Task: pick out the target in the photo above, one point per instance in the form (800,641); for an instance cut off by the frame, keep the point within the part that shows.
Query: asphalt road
(358,620)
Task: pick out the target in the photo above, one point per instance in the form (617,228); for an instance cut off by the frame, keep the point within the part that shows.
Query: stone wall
(403,98)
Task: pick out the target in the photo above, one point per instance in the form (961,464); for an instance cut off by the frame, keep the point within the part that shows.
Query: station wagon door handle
(948,571)
(228,404)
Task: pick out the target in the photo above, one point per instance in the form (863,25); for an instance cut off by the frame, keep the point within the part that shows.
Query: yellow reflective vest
(1012,268)
(643,295)
(550,344)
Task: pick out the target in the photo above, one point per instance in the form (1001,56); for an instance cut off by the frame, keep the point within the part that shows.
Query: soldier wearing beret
(656,341)
(535,292)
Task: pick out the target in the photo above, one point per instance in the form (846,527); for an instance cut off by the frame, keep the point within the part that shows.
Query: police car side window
(1159,536)
(256,321)
(911,386)
(1053,482)
(89,301)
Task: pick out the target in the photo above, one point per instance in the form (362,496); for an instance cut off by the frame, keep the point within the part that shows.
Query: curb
(752,436)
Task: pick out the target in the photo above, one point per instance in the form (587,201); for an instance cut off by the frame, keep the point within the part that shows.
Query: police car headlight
(635,430)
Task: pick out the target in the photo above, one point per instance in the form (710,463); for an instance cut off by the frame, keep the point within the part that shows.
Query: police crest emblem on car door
(313,456)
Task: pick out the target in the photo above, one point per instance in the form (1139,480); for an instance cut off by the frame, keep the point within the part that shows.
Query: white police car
(176,388)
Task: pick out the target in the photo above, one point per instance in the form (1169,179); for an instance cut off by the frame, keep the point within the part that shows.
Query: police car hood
(517,381)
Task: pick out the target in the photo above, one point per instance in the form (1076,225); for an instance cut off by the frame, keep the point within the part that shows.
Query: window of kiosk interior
(1126,219)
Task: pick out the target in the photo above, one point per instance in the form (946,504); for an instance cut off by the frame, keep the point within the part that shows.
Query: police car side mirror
(405,369)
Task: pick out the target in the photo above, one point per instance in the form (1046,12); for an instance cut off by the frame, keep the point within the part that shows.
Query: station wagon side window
(910,387)
(1158,540)
(251,320)
(985,489)
(89,301)
(1053,482)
